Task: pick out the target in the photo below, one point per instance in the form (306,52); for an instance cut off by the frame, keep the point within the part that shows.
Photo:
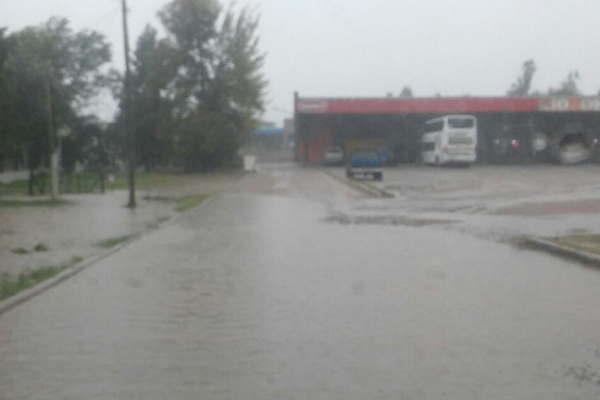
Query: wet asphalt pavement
(266,293)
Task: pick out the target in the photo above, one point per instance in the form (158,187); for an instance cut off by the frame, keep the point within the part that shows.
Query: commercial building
(510,129)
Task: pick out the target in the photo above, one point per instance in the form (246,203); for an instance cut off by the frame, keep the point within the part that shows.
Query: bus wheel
(437,161)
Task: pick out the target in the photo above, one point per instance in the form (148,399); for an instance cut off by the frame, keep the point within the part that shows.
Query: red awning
(443,105)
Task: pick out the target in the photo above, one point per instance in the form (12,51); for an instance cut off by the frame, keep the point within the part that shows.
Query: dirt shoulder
(589,243)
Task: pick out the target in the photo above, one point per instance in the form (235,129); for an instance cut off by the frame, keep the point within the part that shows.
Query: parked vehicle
(450,139)
(365,163)
(386,156)
(334,156)
(574,152)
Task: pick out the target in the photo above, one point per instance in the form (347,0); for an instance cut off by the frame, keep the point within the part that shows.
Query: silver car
(334,156)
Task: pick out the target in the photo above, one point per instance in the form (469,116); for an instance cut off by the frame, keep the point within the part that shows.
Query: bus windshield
(434,126)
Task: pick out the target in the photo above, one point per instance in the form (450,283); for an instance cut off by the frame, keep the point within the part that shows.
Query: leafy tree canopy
(522,86)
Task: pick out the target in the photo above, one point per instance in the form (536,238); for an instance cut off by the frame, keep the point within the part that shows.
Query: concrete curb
(361,186)
(26,295)
(564,251)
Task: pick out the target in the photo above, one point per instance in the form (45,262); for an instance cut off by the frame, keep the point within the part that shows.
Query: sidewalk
(88,224)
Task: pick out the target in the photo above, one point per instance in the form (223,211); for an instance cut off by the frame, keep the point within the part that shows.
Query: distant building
(268,138)
(289,134)
(510,129)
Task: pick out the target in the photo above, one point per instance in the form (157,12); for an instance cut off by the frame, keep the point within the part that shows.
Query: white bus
(450,139)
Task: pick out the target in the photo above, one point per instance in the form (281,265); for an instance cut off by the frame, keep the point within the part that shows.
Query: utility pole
(126,111)
(52,148)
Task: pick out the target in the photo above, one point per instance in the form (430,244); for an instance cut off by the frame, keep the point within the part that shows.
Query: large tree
(4,100)
(50,71)
(26,114)
(4,49)
(218,87)
(406,93)
(523,84)
(568,87)
(154,69)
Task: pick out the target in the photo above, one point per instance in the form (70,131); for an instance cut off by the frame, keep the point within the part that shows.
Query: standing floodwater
(257,295)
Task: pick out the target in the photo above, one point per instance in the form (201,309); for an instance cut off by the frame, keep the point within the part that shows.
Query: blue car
(365,163)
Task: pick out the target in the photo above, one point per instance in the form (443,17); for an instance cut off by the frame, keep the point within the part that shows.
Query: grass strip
(585,242)
(189,202)
(11,285)
(112,242)
(32,203)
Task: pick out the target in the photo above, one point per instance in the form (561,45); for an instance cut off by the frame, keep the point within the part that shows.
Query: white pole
(53,152)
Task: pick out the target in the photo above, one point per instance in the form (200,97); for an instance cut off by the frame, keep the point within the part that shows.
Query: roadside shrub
(40,247)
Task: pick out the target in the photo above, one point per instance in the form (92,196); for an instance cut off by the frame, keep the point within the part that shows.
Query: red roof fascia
(418,106)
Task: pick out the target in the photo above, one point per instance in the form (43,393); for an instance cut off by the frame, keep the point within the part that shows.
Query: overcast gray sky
(370,48)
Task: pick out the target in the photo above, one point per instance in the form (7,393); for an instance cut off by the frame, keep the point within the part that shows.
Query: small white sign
(312,106)
(565,104)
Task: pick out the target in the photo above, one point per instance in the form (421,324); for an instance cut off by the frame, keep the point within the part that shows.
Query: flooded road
(495,202)
(262,293)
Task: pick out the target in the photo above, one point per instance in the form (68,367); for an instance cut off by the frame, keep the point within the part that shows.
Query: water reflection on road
(256,295)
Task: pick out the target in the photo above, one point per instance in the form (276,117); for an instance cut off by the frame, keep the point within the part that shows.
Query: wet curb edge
(28,294)
(549,246)
(361,186)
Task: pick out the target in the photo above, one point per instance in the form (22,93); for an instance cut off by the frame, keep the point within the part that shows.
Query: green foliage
(189,202)
(86,180)
(30,203)
(147,180)
(154,69)
(406,93)
(4,100)
(568,87)
(13,188)
(195,91)
(198,91)
(523,84)
(20,251)
(9,285)
(25,113)
(75,260)
(112,242)
(4,48)
(40,248)
(46,64)
(522,87)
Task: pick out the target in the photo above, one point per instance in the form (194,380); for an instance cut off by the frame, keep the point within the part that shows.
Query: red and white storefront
(396,122)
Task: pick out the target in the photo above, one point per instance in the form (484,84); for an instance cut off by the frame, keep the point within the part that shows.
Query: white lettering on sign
(555,104)
(590,104)
(564,104)
(312,106)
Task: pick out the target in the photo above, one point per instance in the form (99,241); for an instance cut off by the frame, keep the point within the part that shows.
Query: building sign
(312,106)
(447,105)
(570,104)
